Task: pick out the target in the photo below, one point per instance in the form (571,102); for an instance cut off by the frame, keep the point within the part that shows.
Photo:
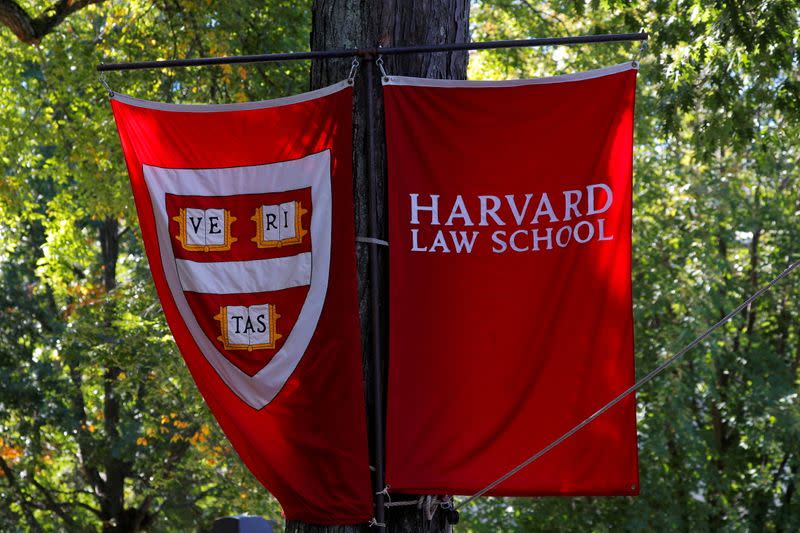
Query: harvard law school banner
(247,219)
(510,283)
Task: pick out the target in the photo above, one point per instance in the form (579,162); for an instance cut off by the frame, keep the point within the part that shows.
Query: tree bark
(358,24)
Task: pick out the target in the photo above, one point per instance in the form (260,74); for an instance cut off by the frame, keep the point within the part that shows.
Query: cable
(652,374)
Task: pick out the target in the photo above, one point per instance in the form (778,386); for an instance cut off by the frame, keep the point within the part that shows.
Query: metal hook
(379,62)
(353,69)
(103,81)
(642,49)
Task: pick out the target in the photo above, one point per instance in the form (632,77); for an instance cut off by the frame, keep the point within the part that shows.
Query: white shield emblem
(246,253)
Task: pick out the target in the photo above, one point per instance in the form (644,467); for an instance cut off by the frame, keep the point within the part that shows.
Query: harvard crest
(246,254)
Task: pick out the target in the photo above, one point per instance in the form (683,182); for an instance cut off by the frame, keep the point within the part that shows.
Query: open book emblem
(205,229)
(279,225)
(246,254)
(248,328)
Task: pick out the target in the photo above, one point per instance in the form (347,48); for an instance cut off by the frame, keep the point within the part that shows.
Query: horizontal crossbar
(372,53)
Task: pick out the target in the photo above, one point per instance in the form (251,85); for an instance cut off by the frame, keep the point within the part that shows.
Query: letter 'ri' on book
(248,328)
(205,230)
(279,225)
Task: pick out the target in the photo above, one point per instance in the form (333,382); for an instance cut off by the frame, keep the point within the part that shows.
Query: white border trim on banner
(242,106)
(578,76)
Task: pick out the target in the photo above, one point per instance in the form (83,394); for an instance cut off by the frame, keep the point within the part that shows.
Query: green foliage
(91,385)
(90,381)
(715,217)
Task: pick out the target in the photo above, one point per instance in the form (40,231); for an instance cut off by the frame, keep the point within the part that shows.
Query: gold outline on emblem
(273,334)
(299,232)
(181,220)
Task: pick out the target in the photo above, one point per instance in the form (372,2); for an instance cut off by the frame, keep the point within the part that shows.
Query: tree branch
(30,29)
(53,504)
(89,508)
(23,500)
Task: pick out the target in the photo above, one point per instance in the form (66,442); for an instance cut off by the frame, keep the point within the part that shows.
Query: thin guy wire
(652,374)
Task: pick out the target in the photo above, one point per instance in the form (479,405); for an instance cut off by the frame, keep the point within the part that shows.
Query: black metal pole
(375,318)
(516,43)
(374,52)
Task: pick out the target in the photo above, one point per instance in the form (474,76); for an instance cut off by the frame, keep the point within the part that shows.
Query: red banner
(510,283)
(246,213)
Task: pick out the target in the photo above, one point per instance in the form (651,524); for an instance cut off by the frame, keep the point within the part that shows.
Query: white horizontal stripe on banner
(233,277)
(577,76)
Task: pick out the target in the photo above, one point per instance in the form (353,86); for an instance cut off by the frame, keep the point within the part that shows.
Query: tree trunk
(116,517)
(358,24)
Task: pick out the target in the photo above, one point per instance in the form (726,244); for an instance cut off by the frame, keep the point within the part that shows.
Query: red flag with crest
(247,219)
(510,287)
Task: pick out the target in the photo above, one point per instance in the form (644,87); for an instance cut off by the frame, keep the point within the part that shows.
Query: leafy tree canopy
(716,205)
(100,424)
